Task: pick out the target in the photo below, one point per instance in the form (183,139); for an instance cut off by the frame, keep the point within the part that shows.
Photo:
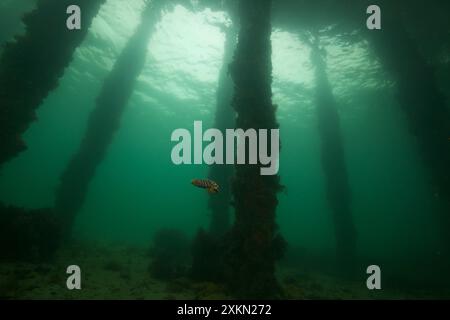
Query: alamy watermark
(73,22)
(241,147)
(74,280)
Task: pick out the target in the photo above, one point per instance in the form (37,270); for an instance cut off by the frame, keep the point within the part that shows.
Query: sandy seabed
(118,272)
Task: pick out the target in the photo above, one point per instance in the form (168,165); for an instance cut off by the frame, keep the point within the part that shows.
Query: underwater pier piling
(31,65)
(219,204)
(104,120)
(208,245)
(423,104)
(333,163)
(252,252)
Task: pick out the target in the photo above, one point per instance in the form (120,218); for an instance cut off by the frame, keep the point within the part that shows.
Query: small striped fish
(207,184)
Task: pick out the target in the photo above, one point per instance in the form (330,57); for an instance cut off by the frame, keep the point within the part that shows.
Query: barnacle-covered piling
(252,246)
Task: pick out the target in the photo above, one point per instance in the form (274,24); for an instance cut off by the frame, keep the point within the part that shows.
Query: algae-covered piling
(252,256)
(32,64)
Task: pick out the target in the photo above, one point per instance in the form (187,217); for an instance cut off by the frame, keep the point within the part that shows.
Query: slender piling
(104,120)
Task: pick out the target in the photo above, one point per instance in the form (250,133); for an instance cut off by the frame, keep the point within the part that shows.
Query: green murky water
(137,190)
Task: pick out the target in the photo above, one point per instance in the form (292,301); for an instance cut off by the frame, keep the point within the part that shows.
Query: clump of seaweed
(28,235)
(170,253)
